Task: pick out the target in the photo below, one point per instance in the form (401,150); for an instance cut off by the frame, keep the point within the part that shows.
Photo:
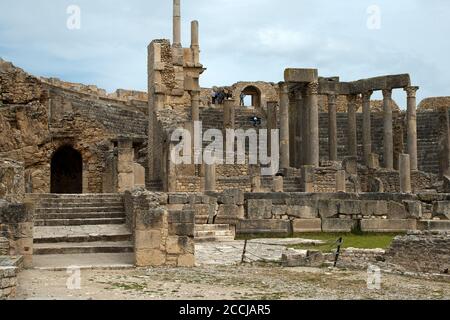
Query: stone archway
(66,171)
(255,95)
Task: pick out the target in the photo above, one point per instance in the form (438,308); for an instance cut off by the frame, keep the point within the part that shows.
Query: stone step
(212,227)
(77,196)
(79,204)
(87,233)
(78,222)
(79,215)
(215,239)
(221,233)
(80,210)
(434,225)
(82,247)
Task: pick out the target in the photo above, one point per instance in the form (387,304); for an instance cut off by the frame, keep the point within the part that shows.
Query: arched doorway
(66,171)
(252,97)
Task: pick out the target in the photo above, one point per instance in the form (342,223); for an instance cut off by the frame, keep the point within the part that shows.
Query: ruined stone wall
(268,91)
(12,181)
(421,252)
(162,237)
(435,104)
(8,282)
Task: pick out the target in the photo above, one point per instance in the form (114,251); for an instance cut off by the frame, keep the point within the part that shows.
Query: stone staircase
(80,224)
(213,233)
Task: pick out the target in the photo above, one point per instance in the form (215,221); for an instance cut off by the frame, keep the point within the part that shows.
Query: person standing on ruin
(242,97)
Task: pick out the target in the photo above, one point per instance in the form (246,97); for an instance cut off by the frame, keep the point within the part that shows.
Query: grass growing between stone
(351,240)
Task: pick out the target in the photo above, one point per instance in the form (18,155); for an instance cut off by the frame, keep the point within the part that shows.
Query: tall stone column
(312,110)
(367,127)
(195,104)
(301,130)
(125,165)
(176,23)
(351,126)
(272,122)
(405,173)
(412,126)
(195,44)
(210,178)
(388,141)
(229,115)
(284,127)
(332,128)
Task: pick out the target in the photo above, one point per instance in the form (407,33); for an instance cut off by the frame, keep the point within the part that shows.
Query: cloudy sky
(240,40)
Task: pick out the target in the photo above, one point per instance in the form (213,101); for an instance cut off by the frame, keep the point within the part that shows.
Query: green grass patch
(351,240)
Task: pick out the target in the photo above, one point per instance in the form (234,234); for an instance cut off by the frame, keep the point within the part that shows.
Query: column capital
(352,98)
(411,91)
(332,98)
(283,87)
(387,93)
(312,88)
(367,95)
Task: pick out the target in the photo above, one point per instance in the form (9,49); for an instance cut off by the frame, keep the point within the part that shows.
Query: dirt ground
(250,281)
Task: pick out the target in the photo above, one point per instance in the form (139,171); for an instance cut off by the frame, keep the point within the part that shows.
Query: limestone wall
(8,282)
(12,181)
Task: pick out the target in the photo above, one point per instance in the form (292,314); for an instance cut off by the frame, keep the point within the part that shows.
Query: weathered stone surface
(414,209)
(338,225)
(350,207)
(259,209)
(303,212)
(396,211)
(442,208)
(279,210)
(328,208)
(391,225)
(374,208)
(301,75)
(264,226)
(307,225)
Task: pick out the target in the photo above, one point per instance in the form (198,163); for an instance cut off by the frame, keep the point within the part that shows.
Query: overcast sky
(240,40)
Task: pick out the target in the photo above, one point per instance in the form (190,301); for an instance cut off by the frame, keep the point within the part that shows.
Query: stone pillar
(255,178)
(405,173)
(308,178)
(352,144)
(278,184)
(272,123)
(125,165)
(195,44)
(332,128)
(341,179)
(388,141)
(412,126)
(284,127)
(367,127)
(312,110)
(176,23)
(210,178)
(195,104)
(229,116)
(300,130)
(171,173)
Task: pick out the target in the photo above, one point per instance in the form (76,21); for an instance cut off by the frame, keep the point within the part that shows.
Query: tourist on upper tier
(242,99)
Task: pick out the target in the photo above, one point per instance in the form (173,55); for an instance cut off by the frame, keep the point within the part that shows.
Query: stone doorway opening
(252,97)
(66,171)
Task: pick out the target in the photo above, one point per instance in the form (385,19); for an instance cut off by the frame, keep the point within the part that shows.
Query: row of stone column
(388,138)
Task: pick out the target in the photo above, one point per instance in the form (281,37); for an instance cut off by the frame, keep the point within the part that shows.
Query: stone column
(255,178)
(195,104)
(308,178)
(341,178)
(229,116)
(210,178)
(388,141)
(405,173)
(278,184)
(125,165)
(195,44)
(284,127)
(272,123)
(332,128)
(301,130)
(176,23)
(351,126)
(312,108)
(412,126)
(367,127)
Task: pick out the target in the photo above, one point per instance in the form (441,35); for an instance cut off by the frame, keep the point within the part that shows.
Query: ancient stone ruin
(74,155)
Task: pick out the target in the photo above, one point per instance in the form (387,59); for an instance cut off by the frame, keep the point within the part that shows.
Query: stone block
(139,175)
(178,198)
(279,210)
(396,211)
(150,219)
(307,225)
(390,225)
(173,246)
(442,209)
(231,196)
(374,208)
(149,258)
(338,225)
(303,212)
(414,209)
(301,75)
(264,226)
(25,246)
(302,258)
(259,209)
(181,229)
(350,207)
(186,261)
(328,208)
(144,239)
(230,210)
